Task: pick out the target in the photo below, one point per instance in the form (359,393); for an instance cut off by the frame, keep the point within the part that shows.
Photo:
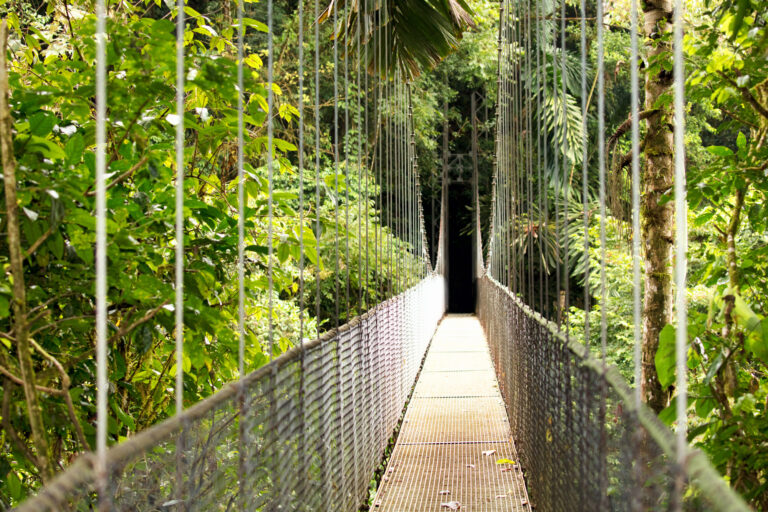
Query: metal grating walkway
(456,414)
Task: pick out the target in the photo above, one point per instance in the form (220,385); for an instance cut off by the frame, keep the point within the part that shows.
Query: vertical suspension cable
(317,159)
(179,239)
(516,200)
(394,197)
(301,180)
(498,221)
(636,273)
(507,155)
(366,161)
(179,264)
(403,178)
(336,164)
(501,192)
(529,151)
(681,250)
(513,265)
(102,384)
(300,342)
(270,143)
(240,194)
(566,175)
(362,195)
(540,141)
(348,263)
(240,241)
(556,154)
(585,162)
(492,258)
(545,157)
(601,169)
(387,155)
(504,156)
(379,153)
(517,163)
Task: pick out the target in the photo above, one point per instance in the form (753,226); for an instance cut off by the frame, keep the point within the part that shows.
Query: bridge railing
(305,432)
(583,442)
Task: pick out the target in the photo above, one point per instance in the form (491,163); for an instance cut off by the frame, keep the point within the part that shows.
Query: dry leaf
(451,505)
(501,496)
(488,453)
(524,501)
(506,469)
(445,492)
(471,466)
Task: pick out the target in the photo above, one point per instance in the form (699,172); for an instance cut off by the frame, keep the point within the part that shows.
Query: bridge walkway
(455,440)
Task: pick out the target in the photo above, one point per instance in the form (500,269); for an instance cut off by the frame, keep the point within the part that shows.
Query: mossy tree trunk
(657,180)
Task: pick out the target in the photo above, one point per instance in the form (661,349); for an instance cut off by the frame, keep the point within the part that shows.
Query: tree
(657,220)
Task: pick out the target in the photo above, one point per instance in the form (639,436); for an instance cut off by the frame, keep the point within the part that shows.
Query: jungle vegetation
(48,380)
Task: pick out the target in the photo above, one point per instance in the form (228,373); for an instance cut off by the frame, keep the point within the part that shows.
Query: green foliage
(618,294)
(406,37)
(52,89)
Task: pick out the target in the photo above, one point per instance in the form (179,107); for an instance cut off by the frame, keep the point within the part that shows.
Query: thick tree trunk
(657,219)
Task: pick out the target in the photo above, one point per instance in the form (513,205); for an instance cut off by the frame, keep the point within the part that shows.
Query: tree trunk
(657,219)
(20,324)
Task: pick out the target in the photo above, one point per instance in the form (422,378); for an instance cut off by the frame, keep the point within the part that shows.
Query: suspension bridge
(501,410)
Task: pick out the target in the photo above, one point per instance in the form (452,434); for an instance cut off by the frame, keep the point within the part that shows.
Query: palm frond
(407,36)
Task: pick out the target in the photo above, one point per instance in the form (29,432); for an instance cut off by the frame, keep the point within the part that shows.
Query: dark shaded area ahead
(461,286)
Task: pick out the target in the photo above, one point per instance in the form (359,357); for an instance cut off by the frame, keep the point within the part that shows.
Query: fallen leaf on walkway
(451,505)
(524,502)
(506,469)
(488,453)
(377,504)
(505,461)
(471,466)
(445,492)
(501,496)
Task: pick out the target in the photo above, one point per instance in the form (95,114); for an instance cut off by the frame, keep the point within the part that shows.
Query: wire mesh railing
(583,441)
(305,432)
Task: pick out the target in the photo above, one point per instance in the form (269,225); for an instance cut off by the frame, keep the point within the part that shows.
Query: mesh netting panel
(582,442)
(305,432)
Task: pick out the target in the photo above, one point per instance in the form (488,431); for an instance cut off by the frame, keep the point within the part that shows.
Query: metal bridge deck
(455,433)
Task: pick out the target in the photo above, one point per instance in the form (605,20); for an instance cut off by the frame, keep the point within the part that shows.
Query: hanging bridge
(498,411)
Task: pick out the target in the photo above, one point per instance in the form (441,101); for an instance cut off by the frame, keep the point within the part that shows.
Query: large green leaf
(665,356)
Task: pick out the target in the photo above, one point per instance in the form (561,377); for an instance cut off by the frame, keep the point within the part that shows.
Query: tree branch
(9,430)
(57,322)
(746,94)
(123,176)
(65,383)
(738,118)
(127,131)
(626,158)
(51,300)
(626,125)
(38,243)
(147,317)
(20,382)
(21,326)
